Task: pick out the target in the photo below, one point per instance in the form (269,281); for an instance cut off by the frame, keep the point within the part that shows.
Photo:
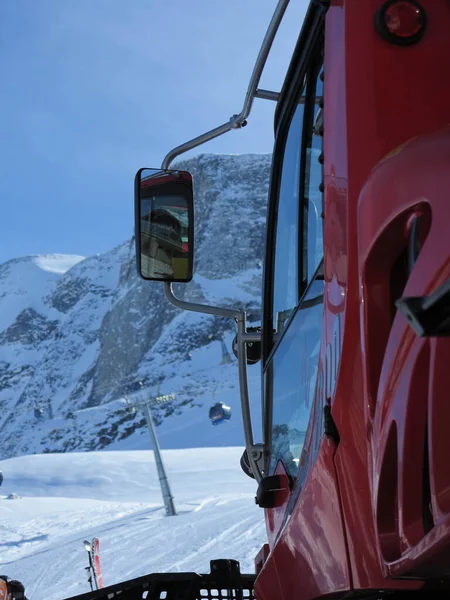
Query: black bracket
(266,495)
(329,426)
(253,348)
(429,316)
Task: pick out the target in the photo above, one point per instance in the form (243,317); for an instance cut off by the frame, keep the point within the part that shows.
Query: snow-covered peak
(26,282)
(56,263)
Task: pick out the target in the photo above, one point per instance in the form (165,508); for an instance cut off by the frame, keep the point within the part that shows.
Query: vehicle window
(313,197)
(286,282)
(292,369)
(299,210)
(293,372)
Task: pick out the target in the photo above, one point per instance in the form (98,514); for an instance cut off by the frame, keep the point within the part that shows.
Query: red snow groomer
(352,470)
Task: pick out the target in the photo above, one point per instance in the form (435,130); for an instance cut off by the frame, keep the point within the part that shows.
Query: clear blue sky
(92,90)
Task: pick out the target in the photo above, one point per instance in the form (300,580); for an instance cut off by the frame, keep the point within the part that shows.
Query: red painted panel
(410,400)
(310,555)
(274,516)
(390,399)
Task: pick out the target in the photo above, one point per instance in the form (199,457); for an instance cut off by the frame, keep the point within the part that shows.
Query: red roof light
(403,19)
(401,22)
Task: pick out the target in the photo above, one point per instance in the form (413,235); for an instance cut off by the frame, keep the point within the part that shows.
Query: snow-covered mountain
(78,335)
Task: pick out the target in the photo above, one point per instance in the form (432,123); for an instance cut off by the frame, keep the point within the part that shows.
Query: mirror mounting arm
(243,338)
(231,313)
(240,120)
(255,452)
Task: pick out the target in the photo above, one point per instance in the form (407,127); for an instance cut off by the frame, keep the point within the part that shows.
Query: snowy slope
(115,496)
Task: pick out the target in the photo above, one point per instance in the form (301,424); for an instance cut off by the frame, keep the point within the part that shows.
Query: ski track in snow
(40,536)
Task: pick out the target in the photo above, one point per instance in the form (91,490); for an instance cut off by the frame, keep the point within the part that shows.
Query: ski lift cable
(102,388)
(25,409)
(130,377)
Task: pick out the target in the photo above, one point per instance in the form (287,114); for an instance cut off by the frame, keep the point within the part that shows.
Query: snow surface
(56,263)
(66,498)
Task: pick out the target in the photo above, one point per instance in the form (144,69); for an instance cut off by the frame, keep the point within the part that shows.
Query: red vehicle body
(373,511)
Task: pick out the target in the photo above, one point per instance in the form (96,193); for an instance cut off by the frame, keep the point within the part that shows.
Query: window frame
(312,76)
(273,220)
(268,371)
(308,56)
(312,62)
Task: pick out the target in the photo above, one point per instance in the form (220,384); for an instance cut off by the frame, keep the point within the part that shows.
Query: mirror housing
(245,465)
(164,225)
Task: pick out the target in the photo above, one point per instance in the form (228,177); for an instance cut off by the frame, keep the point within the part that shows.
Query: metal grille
(225,582)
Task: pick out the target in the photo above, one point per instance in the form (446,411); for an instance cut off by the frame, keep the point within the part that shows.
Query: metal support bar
(251,338)
(219,311)
(238,121)
(267,95)
(262,56)
(235,122)
(245,400)
(243,338)
(198,141)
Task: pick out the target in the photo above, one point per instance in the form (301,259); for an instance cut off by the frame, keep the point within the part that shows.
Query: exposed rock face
(28,328)
(76,336)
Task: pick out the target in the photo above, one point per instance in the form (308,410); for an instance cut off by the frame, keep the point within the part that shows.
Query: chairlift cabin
(219,413)
(38,412)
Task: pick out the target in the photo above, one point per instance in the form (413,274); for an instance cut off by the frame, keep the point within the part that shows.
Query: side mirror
(245,465)
(164,225)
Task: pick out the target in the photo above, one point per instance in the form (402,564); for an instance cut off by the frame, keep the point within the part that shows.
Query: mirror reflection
(165,224)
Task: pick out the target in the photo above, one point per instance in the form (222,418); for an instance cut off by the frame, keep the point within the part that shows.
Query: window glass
(285,294)
(291,375)
(294,374)
(313,197)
